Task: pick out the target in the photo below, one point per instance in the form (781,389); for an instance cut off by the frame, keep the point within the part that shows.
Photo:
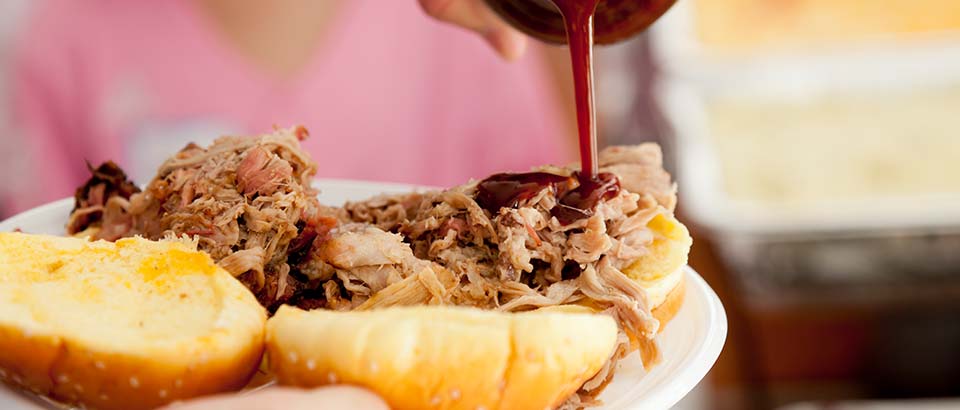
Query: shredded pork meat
(523,258)
(103,197)
(377,269)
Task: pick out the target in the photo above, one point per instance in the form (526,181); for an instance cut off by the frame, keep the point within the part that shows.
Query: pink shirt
(390,95)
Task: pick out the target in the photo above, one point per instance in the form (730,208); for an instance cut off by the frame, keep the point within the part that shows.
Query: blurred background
(816,144)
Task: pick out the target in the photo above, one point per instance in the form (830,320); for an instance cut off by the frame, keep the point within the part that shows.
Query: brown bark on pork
(248,202)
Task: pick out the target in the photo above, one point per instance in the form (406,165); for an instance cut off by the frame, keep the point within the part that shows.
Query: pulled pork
(377,269)
(248,201)
(522,257)
(103,196)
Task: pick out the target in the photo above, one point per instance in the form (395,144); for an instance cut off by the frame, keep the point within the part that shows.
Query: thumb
(476,16)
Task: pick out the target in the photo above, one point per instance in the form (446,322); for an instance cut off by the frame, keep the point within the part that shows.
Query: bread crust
(665,312)
(443,357)
(71,373)
(73,368)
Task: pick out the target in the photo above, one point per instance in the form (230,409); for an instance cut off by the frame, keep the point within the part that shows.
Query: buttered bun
(442,357)
(128,325)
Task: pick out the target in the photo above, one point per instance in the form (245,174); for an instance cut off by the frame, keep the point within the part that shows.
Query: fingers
(343,397)
(326,398)
(475,15)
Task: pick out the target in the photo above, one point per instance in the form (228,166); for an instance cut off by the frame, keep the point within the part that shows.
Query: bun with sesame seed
(443,357)
(127,325)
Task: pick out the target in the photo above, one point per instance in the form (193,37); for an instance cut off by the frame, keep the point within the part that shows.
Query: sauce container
(614,20)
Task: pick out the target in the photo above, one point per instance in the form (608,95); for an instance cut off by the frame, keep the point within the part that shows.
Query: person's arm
(475,15)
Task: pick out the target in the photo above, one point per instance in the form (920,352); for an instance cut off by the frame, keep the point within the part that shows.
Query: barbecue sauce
(581,202)
(575,201)
(577,196)
(578,21)
(509,190)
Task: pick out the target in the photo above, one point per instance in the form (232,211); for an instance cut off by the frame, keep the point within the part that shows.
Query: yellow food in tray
(748,26)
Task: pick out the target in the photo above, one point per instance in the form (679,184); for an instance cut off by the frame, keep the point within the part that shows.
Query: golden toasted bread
(125,325)
(443,357)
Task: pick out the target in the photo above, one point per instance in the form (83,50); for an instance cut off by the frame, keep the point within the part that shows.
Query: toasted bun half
(442,357)
(660,272)
(126,325)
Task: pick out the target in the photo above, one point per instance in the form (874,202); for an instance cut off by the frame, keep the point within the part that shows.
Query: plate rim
(697,365)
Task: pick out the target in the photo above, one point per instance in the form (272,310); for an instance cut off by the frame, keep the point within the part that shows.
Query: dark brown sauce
(580,203)
(578,21)
(508,190)
(575,201)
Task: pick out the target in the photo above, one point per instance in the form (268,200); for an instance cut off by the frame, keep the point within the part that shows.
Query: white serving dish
(700,176)
(839,246)
(690,343)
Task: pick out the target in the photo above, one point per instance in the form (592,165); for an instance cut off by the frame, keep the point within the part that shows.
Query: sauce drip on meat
(575,201)
(508,190)
(578,22)
(581,202)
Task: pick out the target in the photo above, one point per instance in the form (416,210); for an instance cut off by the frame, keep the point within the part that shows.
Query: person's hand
(326,398)
(476,16)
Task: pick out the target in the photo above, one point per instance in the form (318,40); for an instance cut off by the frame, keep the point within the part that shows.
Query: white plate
(690,343)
